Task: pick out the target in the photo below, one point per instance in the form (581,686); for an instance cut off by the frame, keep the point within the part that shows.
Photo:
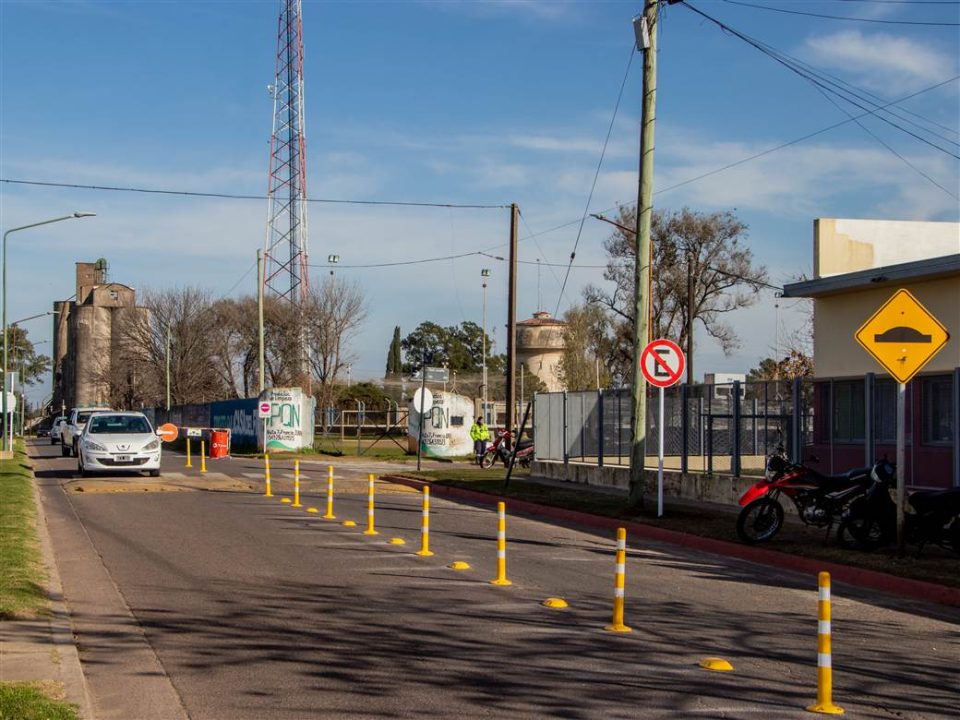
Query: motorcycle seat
(851,476)
(926,501)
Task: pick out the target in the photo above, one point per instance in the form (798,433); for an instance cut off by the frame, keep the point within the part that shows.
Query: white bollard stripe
(618,592)
(370,512)
(501,535)
(824,593)
(426,513)
(823,660)
(823,627)
(621,544)
(501,553)
(621,568)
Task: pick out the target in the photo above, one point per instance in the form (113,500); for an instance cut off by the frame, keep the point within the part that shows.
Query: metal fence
(707,428)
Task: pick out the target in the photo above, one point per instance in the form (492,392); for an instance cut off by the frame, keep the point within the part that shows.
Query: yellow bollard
(824,702)
(266,469)
(501,578)
(621,571)
(330,515)
(425,525)
(370,529)
(189,462)
(296,483)
(203,456)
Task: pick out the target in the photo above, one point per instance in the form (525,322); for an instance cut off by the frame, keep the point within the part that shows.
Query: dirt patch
(169,482)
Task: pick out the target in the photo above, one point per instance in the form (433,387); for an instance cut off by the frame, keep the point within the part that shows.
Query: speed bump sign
(902,336)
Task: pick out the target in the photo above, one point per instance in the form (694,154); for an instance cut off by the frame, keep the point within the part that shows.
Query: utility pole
(260,353)
(645,29)
(512,317)
(484,273)
(168,366)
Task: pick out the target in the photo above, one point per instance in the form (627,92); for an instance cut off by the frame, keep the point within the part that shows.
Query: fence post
(756,436)
(566,455)
(796,453)
(684,429)
(619,425)
(869,449)
(709,448)
(583,426)
(735,440)
(599,427)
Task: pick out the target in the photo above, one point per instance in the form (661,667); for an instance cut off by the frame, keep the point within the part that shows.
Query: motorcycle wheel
(861,534)
(760,521)
(488,459)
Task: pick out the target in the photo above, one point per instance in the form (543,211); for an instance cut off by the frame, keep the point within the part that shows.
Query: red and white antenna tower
(286,272)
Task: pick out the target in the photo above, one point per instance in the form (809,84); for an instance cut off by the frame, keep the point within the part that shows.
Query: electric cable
(596,176)
(233,196)
(781,59)
(841,17)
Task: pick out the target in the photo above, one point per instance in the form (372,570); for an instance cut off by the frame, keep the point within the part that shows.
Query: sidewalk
(42,649)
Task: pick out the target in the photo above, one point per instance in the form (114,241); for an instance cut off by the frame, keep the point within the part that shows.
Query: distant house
(859,265)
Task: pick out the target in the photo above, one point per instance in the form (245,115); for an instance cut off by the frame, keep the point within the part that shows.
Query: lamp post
(3,296)
(332,260)
(484,273)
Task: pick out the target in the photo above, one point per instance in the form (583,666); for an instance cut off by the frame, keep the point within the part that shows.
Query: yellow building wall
(838,317)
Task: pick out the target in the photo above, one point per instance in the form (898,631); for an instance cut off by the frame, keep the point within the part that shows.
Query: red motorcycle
(498,450)
(820,499)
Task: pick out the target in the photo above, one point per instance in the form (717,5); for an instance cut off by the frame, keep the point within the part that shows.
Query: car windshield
(118,425)
(83,417)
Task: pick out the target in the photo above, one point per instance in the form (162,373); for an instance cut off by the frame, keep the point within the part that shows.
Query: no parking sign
(662,364)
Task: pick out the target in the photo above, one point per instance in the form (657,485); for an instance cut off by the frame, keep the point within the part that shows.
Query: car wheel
(64,451)
(76,453)
(154,473)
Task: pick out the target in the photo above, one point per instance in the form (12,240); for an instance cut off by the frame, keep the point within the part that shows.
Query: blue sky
(465,102)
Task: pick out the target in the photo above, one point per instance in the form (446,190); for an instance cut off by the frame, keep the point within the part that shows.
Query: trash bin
(219,443)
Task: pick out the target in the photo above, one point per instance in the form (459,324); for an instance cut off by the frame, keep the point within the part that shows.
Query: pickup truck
(70,431)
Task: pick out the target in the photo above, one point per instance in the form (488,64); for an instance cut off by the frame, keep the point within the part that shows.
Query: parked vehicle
(56,428)
(819,499)
(117,441)
(498,450)
(931,516)
(71,430)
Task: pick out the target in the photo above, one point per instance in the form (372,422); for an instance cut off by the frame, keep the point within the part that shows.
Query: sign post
(902,336)
(264,409)
(662,364)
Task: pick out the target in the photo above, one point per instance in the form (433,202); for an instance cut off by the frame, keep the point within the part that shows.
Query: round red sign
(662,363)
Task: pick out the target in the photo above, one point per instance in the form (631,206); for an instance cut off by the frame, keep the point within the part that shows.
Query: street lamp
(484,273)
(4,300)
(333,260)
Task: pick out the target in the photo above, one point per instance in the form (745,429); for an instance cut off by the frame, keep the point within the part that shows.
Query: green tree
(23,358)
(394,363)
(458,347)
(589,348)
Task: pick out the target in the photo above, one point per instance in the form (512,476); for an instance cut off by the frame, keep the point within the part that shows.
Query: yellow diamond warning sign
(902,336)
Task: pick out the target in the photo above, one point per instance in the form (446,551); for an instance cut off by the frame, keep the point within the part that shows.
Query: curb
(859,577)
(70,670)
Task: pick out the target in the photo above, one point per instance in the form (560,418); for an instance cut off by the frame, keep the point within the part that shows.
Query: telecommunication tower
(286,271)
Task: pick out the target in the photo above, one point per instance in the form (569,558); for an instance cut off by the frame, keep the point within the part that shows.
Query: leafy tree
(589,345)
(705,252)
(23,358)
(366,392)
(794,365)
(459,348)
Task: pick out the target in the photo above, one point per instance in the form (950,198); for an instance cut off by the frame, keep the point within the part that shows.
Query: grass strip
(936,565)
(22,591)
(33,701)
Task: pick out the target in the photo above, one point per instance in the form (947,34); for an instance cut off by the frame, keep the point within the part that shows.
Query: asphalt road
(217,605)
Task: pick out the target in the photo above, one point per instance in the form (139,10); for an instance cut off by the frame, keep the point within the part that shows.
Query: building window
(848,417)
(885,411)
(937,410)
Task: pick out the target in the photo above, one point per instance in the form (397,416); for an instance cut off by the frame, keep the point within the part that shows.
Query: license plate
(123,458)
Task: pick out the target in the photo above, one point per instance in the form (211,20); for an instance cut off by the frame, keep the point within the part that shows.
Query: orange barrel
(219,443)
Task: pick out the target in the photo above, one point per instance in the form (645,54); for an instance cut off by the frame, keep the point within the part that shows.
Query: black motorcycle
(932,516)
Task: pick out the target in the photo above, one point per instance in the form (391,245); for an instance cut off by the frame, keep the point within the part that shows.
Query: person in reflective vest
(480,434)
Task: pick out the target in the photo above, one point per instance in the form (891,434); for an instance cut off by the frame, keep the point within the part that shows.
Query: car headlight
(91,445)
(152,445)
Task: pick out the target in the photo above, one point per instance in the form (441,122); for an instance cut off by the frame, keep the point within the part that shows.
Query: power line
(235,196)
(841,17)
(596,176)
(406,262)
(810,77)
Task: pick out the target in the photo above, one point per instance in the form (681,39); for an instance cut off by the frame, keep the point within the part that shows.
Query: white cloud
(882,61)
(535,9)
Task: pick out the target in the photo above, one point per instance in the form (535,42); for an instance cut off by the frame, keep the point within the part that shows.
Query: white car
(118,441)
(56,428)
(72,429)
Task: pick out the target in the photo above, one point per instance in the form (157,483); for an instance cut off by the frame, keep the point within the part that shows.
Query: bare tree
(694,254)
(334,312)
(589,342)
